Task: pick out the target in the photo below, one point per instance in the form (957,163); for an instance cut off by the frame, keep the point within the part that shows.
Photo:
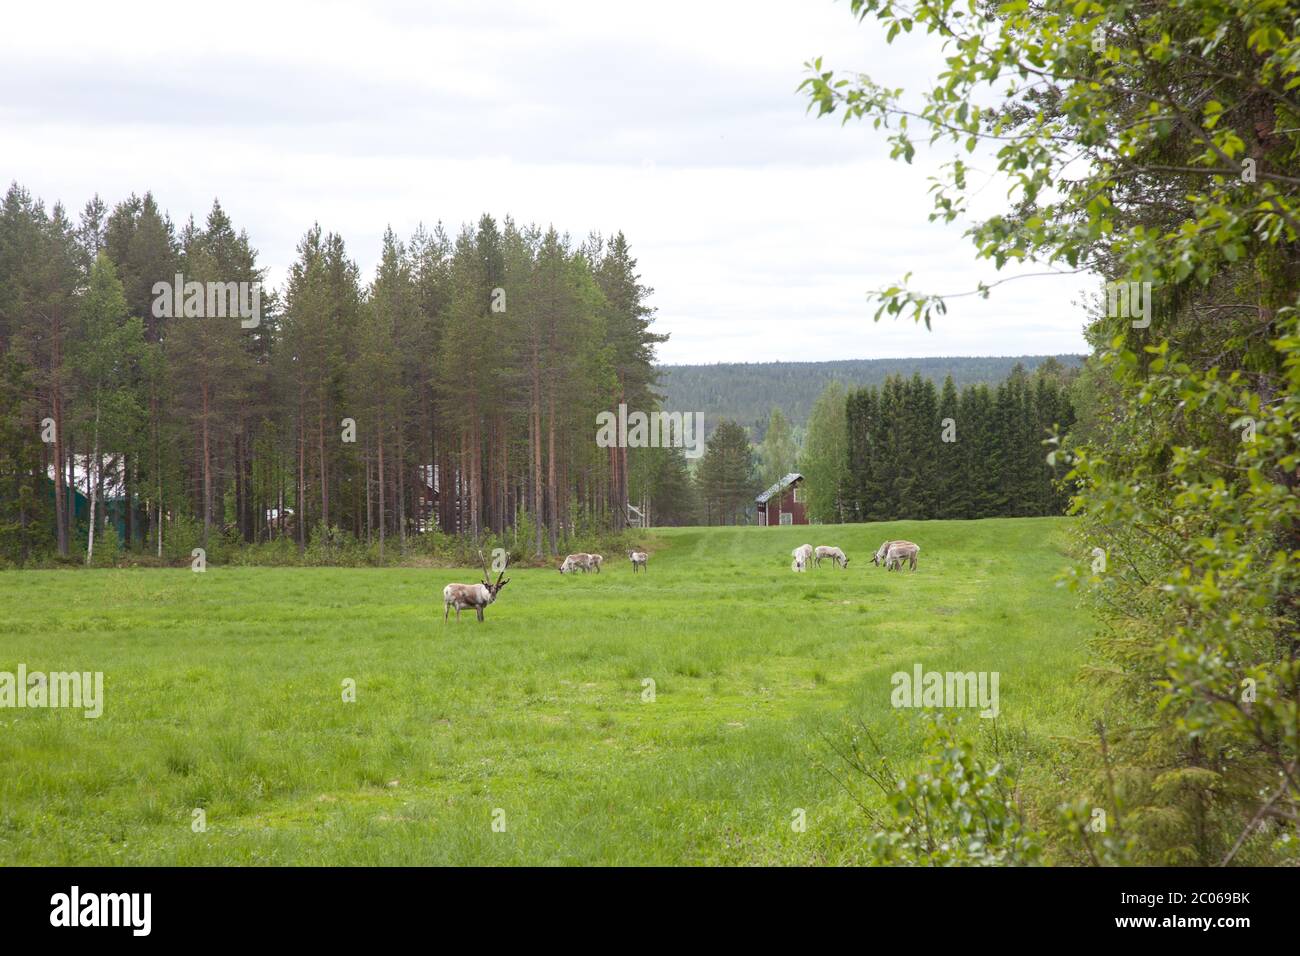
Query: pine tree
(491,410)
(631,347)
(376,391)
(727,475)
(40,257)
(948,480)
(26,516)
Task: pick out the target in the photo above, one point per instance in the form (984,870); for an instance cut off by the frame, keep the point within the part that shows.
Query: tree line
(455,391)
(915,452)
(904,450)
(744,391)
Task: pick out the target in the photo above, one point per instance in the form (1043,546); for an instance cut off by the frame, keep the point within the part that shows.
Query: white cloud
(760,227)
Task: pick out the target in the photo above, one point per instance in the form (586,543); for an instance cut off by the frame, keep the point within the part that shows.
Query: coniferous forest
(744,391)
(452,392)
(917,452)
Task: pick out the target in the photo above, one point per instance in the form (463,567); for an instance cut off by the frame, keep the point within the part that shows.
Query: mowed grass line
(224,692)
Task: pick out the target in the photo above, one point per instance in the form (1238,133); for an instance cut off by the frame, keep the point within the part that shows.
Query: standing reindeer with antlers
(477,596)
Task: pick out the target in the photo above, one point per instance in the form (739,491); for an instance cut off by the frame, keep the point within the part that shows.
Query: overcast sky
(760,227)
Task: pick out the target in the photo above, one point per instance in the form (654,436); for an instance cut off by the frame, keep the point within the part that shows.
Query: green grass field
(224,691)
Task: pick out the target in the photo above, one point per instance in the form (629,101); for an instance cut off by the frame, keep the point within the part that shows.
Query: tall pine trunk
(535,428)
(62,494)
(324,475)
(552,490)
(301,516)
(207,468)
(382,518)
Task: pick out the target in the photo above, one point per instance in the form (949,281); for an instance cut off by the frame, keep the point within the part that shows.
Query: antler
(503,570)
(487,577)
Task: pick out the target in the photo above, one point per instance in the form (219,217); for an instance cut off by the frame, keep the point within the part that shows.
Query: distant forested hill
(746,392)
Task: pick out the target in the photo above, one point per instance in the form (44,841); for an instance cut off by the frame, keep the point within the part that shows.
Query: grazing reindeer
(835,554)
(879,557)
(900,553)
(802,555)
(477,596)
(639,559)
(581,560)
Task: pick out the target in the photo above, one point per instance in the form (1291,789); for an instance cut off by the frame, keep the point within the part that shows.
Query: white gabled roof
(81,475)
(781,485)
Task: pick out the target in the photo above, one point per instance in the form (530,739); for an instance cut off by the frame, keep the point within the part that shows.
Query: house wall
(785,504)
(114,508)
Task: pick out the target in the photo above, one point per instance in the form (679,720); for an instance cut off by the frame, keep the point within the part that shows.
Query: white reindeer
(802,556)
(835,554)
(639,559)
(901,553)
(878,558)
(477,596)
(581,561)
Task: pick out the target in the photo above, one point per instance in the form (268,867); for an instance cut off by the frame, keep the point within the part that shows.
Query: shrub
(958,811)
(107,547)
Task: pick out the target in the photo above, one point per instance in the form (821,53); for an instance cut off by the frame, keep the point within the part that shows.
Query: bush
(278,553)
(181,535)
(959,811)
(108,547)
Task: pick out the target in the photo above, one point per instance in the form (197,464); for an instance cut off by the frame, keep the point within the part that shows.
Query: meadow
(531,738)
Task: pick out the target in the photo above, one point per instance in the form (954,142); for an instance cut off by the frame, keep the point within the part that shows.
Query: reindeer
(477,596)
(581,560)
(802,555)
(574,562)
(900,553)
(639,559)
(878,558)
(835,554)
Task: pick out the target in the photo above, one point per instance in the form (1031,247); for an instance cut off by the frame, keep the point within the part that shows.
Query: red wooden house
(783,502)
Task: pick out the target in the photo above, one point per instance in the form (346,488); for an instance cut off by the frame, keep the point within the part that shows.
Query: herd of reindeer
(893,554)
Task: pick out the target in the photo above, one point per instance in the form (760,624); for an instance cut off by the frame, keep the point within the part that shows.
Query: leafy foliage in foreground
(958,811)
(1156,144)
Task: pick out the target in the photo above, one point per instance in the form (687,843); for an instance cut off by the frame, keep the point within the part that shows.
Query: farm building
(112,499)
(782,503)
